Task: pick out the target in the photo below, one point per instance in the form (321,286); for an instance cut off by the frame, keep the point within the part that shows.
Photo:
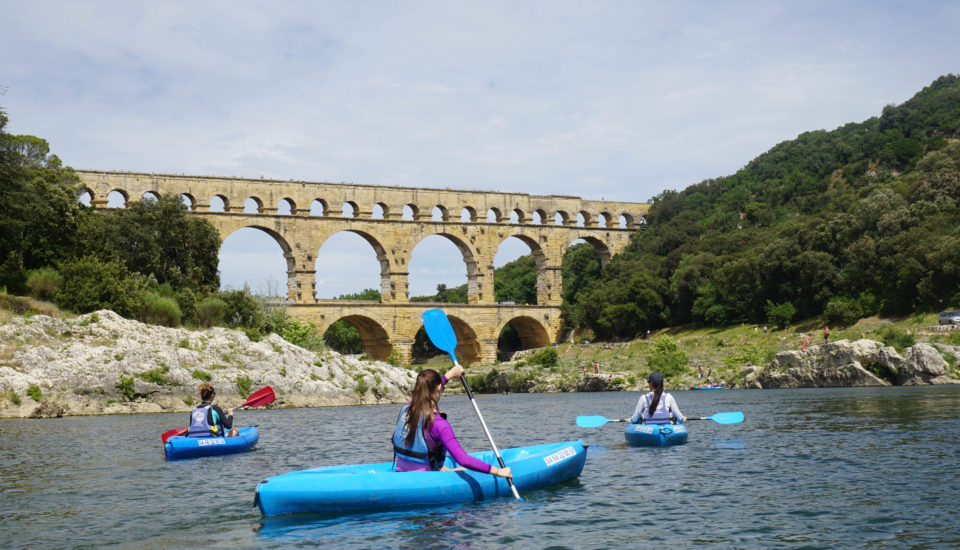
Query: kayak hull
(178,447)
(372,487)
(655,435)
(708,387)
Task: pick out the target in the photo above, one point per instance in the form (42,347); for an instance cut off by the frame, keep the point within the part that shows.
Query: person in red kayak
(209,420)
(423,436)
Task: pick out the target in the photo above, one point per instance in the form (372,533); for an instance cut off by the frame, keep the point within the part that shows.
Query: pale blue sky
(605,99)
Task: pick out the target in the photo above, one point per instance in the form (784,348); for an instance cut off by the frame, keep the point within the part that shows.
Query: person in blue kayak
(656,406)
(423,436)
(209,420)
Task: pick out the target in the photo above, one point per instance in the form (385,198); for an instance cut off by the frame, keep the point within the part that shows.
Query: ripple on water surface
(838,468)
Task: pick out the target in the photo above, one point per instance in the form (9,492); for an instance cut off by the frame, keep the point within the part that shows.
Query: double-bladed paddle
(260,397)
(441,333)
(594,421)
(719,418)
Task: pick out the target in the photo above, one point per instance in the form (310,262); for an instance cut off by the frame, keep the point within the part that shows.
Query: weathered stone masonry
(548,224)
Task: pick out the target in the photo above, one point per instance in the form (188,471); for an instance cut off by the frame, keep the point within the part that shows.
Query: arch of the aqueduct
(392,324)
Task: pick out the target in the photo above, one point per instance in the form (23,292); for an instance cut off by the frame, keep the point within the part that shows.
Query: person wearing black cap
(655,406)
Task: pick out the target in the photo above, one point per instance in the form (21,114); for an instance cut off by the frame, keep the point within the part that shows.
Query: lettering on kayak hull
(559,456)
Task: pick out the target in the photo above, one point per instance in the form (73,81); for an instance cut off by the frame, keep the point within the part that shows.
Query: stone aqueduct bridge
(475,221)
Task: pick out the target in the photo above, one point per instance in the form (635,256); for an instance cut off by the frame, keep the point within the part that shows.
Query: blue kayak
(709,387)
(372,487)
(655,435)
(192,447)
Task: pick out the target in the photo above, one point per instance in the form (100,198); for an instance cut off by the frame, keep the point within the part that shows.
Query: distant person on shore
(423,436)
(596,367)
(826,334)
(656,406)
(209,420)
(700,372)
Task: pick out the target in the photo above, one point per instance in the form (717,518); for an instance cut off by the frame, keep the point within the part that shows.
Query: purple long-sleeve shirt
(442,434)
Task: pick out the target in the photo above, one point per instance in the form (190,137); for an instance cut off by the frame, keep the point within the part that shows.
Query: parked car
(950,317)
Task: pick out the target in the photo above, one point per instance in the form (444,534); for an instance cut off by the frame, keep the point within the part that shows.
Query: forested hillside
(846,223)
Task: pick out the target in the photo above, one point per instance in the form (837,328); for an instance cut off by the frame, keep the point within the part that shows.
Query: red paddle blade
(260,397)
(173,432)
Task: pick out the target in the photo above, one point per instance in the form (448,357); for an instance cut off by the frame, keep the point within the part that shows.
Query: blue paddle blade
(440,331)
(593,421)
(727,418)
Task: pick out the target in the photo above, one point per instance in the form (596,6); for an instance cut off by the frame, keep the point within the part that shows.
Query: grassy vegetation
(723,352)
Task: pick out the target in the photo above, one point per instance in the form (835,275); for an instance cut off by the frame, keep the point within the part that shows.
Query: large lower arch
(538,255)
(285,248)
(468,345)
(598,245)
(533,334)
(386,289)
(376,341)
(469,259)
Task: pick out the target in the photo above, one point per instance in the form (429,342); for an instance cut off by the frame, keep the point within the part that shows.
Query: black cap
(655,378)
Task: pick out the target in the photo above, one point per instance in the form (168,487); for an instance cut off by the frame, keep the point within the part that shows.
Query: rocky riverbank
(101,363)
(858,363)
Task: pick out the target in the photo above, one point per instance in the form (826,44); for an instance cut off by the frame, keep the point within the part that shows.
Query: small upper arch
(538,216)
(349,210)
(440,213)
(410,212)
(319,208)
(117,198)
(219,203)
(287,206)
(253,205)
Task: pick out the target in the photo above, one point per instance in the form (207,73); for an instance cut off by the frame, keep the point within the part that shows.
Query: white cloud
(610,99)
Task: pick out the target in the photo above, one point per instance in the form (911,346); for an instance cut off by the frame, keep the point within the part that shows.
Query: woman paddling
(209,420)
(423,435)
(655,406)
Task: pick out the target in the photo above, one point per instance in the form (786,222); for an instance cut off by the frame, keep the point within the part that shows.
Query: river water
(809,468)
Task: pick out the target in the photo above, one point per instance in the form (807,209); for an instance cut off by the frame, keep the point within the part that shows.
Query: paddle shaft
(486,431)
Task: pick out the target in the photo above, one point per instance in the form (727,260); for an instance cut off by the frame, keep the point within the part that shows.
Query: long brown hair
(657,392)
(422,403)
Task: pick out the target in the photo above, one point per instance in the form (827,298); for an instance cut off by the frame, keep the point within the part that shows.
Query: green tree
(39,212)
(242,309)
(516,281)
(581,266)
(158,239)
(780,314)
(89,285)
(343,337)
(666,357)
(366,294)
